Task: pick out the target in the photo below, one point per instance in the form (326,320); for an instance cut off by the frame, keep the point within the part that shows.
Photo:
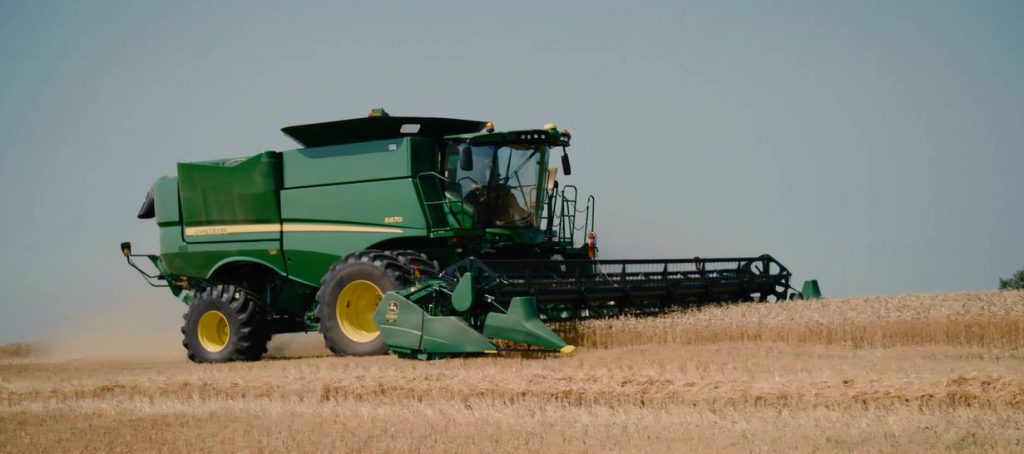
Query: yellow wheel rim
(355,307)
(214,331)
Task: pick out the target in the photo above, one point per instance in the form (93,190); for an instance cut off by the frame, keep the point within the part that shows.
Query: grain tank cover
(379,128)
(235,191)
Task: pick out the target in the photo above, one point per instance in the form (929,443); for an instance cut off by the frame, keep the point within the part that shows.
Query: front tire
(352,289)
(224,323)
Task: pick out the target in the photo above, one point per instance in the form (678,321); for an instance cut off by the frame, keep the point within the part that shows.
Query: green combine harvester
(426,237)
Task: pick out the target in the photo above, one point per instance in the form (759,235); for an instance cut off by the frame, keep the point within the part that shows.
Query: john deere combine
(428,237)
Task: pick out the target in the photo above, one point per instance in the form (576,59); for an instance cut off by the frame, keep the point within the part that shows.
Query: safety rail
(563,225)
(590,216)
(454,213)
(567,215)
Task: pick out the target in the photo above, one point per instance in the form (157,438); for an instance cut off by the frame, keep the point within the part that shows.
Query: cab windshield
(501,188)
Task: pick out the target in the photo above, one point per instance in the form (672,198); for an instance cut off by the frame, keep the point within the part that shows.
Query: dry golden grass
(918,373)
(990,319)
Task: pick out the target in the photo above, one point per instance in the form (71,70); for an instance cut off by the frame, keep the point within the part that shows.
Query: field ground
(917,373)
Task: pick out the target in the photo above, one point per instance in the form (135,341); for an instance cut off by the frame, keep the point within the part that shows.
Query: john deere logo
(392,313)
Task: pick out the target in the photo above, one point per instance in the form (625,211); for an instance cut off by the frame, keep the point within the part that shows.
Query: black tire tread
(417,261)
(400,266)
(253,334)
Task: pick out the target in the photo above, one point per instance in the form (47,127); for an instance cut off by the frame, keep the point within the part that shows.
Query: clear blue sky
(877,146)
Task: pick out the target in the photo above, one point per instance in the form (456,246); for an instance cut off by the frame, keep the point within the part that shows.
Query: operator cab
(500,183)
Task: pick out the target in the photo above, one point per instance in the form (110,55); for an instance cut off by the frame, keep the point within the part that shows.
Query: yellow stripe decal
(273,228)
(338,228)
(230,229)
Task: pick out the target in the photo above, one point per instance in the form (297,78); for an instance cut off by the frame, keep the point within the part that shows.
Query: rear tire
(225,323)
(352,289)
(418,263)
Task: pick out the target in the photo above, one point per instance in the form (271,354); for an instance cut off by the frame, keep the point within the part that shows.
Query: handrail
(444,202)
(589,223)
(549,214)
(567,216)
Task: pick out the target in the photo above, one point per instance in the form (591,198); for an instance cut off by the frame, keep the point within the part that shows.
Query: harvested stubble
(914,373)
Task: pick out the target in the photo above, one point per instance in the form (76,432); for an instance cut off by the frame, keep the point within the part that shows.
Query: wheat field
(918,373)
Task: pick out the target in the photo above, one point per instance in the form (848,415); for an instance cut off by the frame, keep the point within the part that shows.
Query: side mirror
(465,157)
(566,168)
(126,248)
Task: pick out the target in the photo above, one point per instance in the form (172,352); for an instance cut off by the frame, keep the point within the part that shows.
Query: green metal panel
(462,297)
(360,215)
(400,322)
(811,290)
(232,192)
(452,335)
(310,254)
(408,329)
(203,259)
(200,259)
(386,203)
(346,163)
(522,324)
(165,196)
(424,156)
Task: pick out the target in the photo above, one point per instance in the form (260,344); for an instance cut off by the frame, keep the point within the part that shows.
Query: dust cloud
(127,328)
(296,345)
(136,329)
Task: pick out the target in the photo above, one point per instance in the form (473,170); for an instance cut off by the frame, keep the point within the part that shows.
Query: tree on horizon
(1015,282)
